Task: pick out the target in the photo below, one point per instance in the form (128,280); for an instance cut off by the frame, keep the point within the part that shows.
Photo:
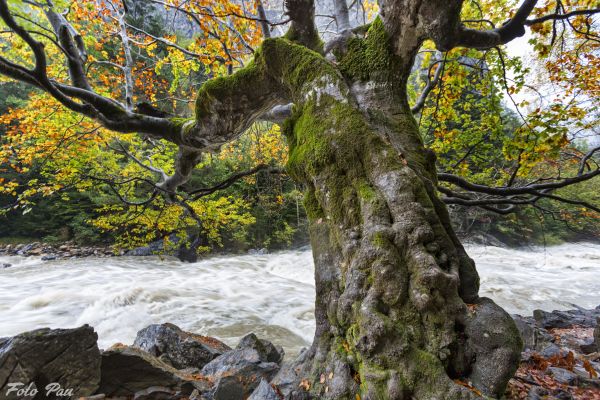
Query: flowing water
(272,294)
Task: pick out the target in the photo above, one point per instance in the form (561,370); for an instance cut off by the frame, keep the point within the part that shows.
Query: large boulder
(128,370)
(66,357)
(494,338)
(179,348)
(238,372)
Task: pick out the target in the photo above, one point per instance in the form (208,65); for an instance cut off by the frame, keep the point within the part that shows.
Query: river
(271,294)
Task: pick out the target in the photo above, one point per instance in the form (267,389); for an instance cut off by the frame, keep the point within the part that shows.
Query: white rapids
(271,295)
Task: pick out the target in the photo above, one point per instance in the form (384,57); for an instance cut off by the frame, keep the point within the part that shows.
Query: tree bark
(397,311)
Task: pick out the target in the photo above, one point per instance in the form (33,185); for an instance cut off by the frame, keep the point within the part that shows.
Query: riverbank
(560,360)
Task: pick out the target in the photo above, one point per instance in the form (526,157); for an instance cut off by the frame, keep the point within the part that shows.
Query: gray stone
(5,265)
(534,337)
(550,350)
(69,357)
(563,376)
(179,348)
(566,319)
(156,393)
(266,350)
(493,336)
(127,370)
(264,391)
(242,367)
(229,388)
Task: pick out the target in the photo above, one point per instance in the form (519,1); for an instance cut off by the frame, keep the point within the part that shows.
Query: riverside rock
(128,370)
(238,372)
(486,328)
(68,357)
(179,348)
(568,318)
(264,391)
(266,350)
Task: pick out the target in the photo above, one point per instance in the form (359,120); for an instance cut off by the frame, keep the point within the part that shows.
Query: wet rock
(550,350)
(534,337)
(238,371)
(537,393)
(258,252)
(494,339)
(5,265)
(264,391)
(127,370)
(49,257)
(266,350)
(565,319)
(157,393)
(179,348)
(69,357)
(563,376)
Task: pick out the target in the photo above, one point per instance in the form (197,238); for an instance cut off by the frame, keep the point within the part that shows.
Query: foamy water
(272,295)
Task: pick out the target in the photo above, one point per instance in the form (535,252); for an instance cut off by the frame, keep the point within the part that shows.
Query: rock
(228,387)
(156,393)
(494,338)
(69,357)
(49,257)
(550,350)
(566,319)
(127,370)
(266,350)
(563,376)
(264,391)
(238,371)
(258,252)
(534,337)
(597,335)
(179,348)
(5,265)
(537,393)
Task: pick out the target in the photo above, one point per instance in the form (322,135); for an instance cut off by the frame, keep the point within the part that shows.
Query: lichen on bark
(391,277)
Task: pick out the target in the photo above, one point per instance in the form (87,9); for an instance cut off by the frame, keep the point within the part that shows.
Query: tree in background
(398,313)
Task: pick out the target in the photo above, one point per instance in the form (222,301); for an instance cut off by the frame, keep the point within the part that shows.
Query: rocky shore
(560,360)
(50,252)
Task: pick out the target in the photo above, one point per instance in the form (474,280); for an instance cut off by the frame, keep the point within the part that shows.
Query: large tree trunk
(397,310)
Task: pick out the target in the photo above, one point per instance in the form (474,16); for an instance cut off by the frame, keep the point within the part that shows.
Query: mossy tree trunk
(397,309)
(393,282)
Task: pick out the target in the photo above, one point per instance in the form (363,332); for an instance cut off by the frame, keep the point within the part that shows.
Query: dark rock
(563,376)
(49,257)
(494,338)
(537,393)
(243,369)
(566,319)
(588,348)
(157,393)
(264,391)
(5,265)
(69,357)
(534,337)
(266,350)
(597,335)
(179,348)
(127,370)
(229,387)
(550,350)
(150,250)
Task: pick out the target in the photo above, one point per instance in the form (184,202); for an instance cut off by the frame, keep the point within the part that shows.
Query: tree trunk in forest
(397,310)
